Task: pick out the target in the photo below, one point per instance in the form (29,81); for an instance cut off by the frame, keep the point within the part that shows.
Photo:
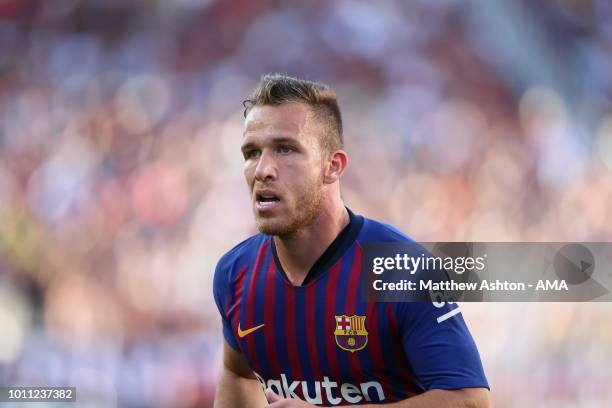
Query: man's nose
(266,167)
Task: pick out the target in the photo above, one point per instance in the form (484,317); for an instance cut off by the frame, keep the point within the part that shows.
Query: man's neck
(299,251)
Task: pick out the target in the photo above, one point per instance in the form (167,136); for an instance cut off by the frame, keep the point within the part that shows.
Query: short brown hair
(276,89)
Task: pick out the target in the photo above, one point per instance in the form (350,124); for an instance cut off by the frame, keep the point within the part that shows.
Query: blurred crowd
(121,177)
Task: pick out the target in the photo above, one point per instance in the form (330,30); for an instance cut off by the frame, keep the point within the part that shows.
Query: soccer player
(293,322)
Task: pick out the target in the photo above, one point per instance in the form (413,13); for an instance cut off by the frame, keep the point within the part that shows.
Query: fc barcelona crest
(351,334)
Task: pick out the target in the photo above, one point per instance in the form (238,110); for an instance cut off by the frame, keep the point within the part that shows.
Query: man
(288,296)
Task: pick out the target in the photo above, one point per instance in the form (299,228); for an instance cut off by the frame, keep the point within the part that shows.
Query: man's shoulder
(378,231)
(228,270)
(241,253)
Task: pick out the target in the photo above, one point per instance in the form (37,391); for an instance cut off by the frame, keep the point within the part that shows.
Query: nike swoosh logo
(242,333)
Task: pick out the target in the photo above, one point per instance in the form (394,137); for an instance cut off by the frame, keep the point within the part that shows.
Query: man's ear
(336,165)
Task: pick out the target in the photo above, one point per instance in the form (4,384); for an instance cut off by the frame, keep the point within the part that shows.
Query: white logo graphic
(348,392)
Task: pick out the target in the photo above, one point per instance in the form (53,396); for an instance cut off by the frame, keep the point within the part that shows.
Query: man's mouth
(266,198)
(266,201)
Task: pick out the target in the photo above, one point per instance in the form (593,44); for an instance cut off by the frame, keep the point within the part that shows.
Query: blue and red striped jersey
(324,343)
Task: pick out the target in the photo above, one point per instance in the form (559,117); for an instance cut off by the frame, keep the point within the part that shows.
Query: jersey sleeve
(223,298)
(439,346)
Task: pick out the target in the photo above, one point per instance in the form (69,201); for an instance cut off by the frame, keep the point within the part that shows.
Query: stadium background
(121,178)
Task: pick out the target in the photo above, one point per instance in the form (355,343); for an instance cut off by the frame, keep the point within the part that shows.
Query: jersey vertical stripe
(312,335)
(320,320)
(280,335)
(340,308)
(270,317)
(375,346)
(290,335)
(258,337)
(238,299)
(249,308)
(330,321)
(302,334)
(236,296)
(403,369)
(350,309)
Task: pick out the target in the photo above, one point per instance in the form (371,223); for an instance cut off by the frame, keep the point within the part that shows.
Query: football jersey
(322,342)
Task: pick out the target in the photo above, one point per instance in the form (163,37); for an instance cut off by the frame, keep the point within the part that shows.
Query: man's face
(283,166)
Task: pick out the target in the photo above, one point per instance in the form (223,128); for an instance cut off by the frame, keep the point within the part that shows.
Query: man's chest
(311,337)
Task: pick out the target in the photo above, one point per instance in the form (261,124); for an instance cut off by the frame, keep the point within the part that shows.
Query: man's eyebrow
(276,140)
(287,140)
(246,146)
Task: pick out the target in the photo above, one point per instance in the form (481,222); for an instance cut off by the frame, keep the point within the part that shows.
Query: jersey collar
(333,252)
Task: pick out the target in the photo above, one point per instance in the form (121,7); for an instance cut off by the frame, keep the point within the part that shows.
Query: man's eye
(284,149)
(251,154)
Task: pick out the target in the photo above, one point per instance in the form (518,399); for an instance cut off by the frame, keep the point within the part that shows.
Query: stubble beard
(306,211)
